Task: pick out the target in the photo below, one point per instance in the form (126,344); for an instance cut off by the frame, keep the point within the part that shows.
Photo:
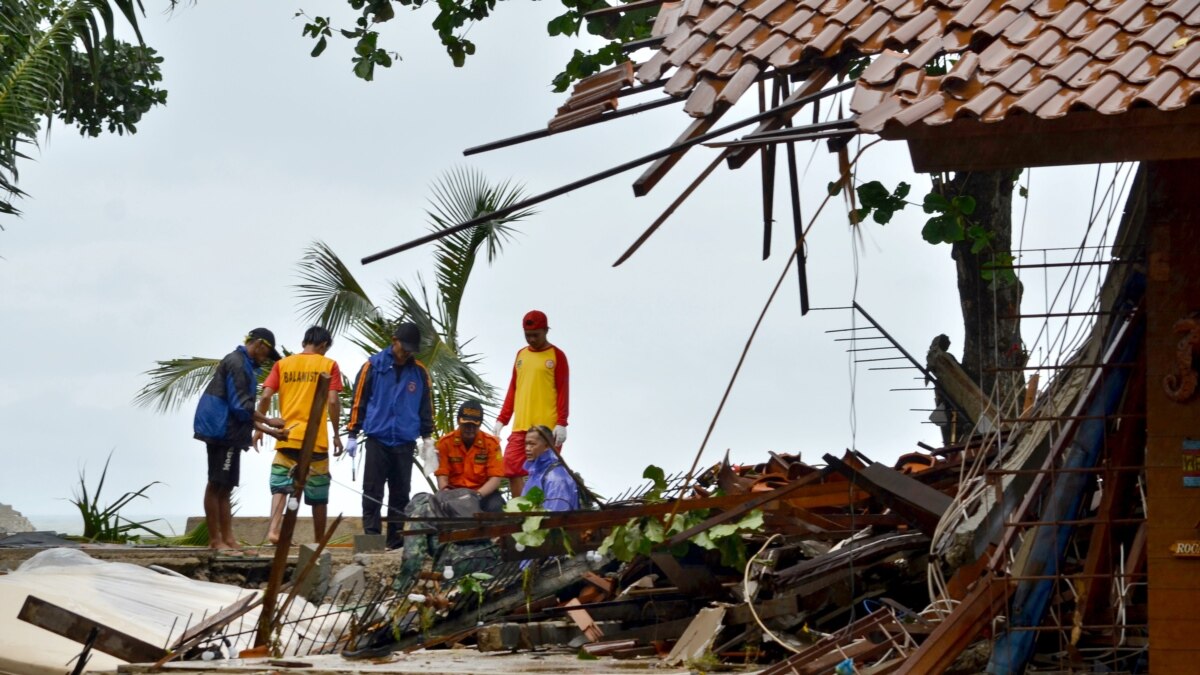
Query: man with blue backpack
(393,407)
(225,420)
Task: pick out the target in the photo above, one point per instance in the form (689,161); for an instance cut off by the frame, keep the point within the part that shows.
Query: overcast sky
(177,240)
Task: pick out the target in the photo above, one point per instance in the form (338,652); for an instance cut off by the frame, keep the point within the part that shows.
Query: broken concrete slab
(699,636)
(370,543)
(315,584)
(348,581)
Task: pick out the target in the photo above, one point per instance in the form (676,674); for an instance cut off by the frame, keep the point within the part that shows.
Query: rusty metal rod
(1085,521)
(1052,315)
(1071,418)
(1052,577)
(1075,366)
(797,136)
(608,173)
(1067,264)
(1097,469)
(543,133)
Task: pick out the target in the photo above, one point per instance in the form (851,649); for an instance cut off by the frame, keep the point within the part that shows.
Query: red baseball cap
(534,320)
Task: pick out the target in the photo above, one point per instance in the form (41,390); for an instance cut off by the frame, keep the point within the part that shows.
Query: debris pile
(1020,547)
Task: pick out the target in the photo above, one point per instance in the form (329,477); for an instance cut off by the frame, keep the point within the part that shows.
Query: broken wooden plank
(608,647)
(634,652)
(64,622)
(915,501)
(740,510)
(224,616)
(821,647)
(583,620)
(987,599)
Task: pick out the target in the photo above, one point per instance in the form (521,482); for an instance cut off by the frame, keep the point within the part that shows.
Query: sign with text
(1191,462)
(1186,549)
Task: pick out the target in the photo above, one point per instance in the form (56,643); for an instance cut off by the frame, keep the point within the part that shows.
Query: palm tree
(39,45)
(329,295)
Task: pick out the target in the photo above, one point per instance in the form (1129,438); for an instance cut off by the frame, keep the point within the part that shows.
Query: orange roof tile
(1042,58)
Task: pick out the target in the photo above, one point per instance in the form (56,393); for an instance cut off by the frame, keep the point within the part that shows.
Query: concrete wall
(253,530)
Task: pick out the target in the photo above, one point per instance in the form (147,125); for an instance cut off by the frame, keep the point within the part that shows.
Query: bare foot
(273,537)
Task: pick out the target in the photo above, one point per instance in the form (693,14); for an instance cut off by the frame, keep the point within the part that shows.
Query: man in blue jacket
(225,420)
(393,407)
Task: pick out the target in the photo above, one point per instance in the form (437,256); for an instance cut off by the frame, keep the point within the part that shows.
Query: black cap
(266,336)
(409,336)
(470,412)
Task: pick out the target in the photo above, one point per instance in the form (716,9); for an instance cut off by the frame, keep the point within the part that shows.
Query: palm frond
(329,294)
(459,195)
(174,382)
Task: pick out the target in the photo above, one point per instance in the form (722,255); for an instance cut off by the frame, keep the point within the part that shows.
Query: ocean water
(72,523)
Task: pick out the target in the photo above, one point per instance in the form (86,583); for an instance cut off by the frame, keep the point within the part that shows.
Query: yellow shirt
(537,393)
(295,378)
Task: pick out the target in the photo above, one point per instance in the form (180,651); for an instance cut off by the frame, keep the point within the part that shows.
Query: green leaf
(942,229)
(653,531)
(834,187)
(901,190)
(723,530)
(752,521)
(531,539)
(934,203)
(704,541)
(320,47)
(964,204)
(873,194)
(883,216)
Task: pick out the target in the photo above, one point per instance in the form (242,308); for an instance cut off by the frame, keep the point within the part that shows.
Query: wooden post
(1173,505)
(316,419)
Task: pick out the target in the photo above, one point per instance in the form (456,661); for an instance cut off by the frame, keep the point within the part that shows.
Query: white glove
(560,436)
(497,429)
(429,456)
(352,446)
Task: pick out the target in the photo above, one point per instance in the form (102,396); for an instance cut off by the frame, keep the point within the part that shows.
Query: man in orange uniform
(537,395)
(470,458)
(295,378)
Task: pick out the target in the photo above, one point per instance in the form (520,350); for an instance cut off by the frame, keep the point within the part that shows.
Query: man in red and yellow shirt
(295,378)
(470,458)
(538,394)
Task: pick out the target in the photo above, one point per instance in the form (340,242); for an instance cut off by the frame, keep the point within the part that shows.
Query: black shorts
(224,465)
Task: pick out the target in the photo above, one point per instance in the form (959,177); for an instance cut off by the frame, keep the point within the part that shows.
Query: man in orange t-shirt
(538,394)
(470,458)
(295,378)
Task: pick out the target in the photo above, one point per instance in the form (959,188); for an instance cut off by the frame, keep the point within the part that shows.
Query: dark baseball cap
(266,336)
(409,336)
(470,412)
(534,320)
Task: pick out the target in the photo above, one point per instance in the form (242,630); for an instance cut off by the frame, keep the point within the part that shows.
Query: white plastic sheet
(134,600)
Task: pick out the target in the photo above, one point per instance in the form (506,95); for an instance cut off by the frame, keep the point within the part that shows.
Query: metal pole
(620,168)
